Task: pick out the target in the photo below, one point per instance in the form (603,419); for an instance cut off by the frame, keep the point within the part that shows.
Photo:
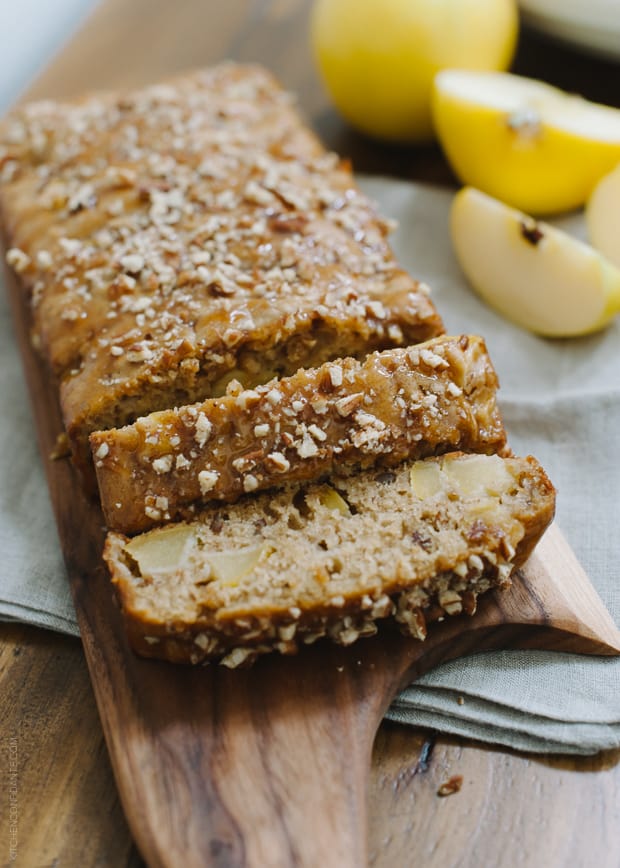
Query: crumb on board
(61,448)
(451,786)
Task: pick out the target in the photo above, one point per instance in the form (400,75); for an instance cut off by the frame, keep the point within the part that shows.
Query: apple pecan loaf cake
(178,236)
(414,542)
(345,415)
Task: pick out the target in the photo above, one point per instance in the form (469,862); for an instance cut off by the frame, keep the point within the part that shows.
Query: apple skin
(603,216)
(378,58)
(532,273)
(523,141)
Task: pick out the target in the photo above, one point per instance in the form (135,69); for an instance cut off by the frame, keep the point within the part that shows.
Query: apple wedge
(527,143)
(534,274)
(603,216)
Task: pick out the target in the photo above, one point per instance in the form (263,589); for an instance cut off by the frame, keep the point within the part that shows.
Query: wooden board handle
(268,766)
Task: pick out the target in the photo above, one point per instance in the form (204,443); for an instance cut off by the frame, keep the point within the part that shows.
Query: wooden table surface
(513,809)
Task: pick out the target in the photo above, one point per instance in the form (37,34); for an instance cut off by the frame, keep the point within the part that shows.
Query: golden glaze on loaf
(177,236)
(194,233)
(345,415)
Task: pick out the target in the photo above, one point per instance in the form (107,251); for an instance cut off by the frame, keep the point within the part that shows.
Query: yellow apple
(378,58)
(523,141)
(603,216)
(534,274)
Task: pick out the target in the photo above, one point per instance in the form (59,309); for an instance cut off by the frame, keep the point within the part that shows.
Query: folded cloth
(33,584)
(561,402)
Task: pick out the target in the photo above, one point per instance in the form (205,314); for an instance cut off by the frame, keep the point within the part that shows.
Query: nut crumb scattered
(451,786)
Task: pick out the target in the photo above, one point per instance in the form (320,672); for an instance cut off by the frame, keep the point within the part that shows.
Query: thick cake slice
(178,236)
(414,542)
(345,415)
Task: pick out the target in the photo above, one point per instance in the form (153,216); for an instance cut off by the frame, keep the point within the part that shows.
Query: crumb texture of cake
(177,236)
(435,397)
(412,543)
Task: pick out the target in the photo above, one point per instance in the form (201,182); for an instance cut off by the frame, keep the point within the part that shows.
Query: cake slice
(172,238)
(274,570)
(345,415)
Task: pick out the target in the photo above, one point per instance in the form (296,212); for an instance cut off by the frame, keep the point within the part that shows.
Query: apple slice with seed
(534,274)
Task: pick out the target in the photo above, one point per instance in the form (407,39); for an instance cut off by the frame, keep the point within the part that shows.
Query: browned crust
(238,640)
(343,416)
(169,236)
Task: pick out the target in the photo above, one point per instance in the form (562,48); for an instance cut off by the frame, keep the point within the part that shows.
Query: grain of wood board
(561,811)
(511,810)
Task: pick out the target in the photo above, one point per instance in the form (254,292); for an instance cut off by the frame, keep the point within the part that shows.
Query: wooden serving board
(268,766)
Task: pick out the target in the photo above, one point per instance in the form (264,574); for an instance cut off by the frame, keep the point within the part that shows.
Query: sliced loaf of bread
(345,415)
(274,570)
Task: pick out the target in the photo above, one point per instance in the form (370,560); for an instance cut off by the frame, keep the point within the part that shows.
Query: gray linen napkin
(561,402)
